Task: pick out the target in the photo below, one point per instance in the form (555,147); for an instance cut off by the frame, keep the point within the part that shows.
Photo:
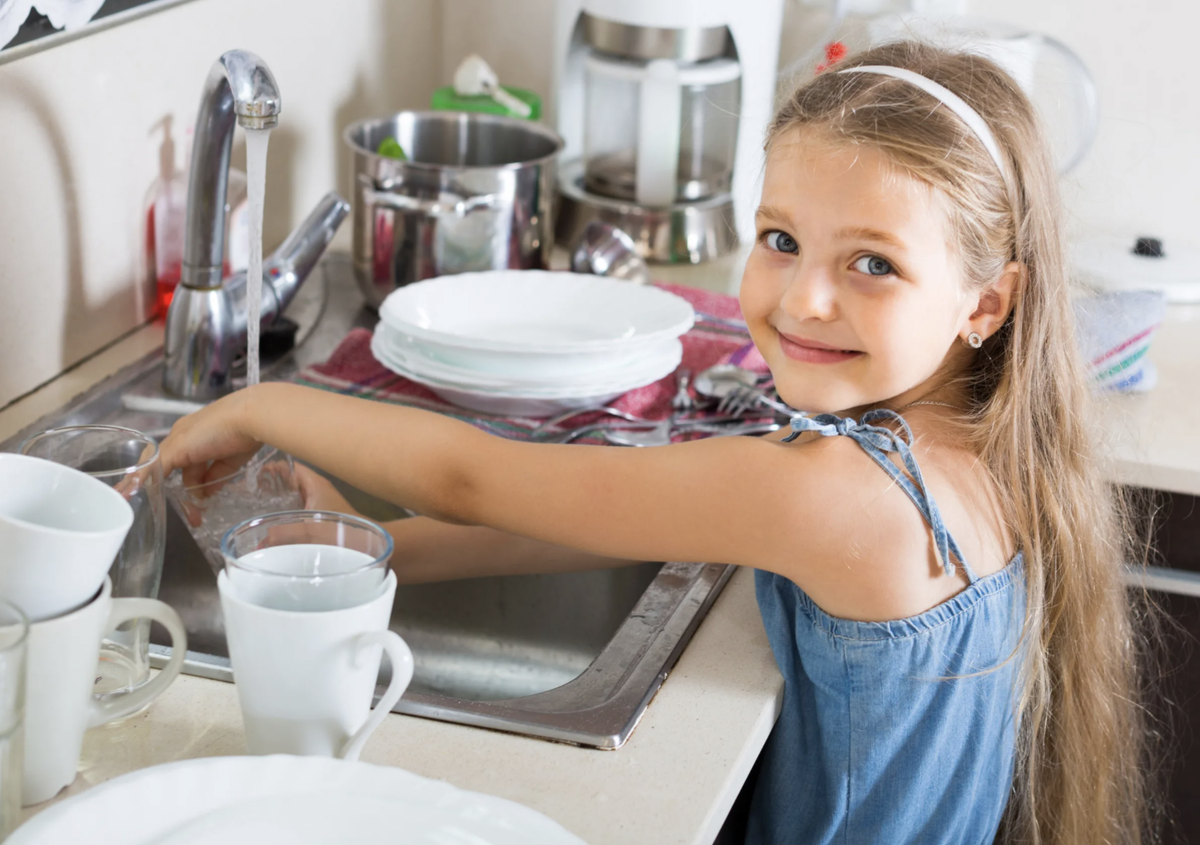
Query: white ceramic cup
(305,679)
(60,530)
(59,704)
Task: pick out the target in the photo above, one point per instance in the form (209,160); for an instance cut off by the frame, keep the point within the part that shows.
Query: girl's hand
(211,443)
(320,494)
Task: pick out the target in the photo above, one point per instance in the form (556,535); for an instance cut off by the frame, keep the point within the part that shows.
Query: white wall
(1143,174)
(77,153)
(1141,177)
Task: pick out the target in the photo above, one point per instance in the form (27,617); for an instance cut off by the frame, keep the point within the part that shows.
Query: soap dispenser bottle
(165,216)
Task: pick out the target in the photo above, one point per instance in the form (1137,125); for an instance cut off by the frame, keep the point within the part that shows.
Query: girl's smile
(813,351)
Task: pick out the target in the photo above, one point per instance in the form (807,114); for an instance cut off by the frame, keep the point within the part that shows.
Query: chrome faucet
(207,320)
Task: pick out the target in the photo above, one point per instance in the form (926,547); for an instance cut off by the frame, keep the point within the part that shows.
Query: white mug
(60,530)
(305,679)
(59,704)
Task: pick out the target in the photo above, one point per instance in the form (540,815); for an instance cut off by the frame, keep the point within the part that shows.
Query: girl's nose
(811,294)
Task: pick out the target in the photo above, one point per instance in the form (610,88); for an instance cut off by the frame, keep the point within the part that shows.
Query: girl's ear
(995,303)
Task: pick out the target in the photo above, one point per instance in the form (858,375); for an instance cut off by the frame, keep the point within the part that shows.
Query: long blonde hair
(1079,775)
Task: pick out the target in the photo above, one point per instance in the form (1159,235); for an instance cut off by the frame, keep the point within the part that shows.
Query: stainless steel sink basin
(572,657)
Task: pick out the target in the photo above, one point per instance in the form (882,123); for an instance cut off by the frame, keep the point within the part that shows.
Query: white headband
(951,100)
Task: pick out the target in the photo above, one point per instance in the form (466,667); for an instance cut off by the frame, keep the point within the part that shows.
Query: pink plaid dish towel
(353,370)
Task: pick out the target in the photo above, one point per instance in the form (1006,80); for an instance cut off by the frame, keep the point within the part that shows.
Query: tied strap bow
(877,441)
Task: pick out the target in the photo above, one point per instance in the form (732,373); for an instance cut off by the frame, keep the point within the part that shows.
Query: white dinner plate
(536,311)
(513,362)
(528,403)
(512,365)
(297,800)
(622,371)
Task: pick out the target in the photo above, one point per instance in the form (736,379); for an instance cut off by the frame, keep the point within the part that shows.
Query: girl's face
(852,292)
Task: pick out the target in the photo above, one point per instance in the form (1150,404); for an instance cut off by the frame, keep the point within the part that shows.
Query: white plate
(525,365)
(298,800)
(509,362)
(625,370)
(525,403)
(536,311)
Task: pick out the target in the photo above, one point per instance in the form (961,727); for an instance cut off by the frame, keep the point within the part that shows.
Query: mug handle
(401,660)
(123,610)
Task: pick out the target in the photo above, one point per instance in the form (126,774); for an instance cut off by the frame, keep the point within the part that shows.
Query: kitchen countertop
(1152,436)
(676,778)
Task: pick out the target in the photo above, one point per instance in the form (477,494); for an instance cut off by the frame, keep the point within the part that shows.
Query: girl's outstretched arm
(428,550)
(724,500)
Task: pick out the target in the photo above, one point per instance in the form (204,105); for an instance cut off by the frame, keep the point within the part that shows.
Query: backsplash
(78,150)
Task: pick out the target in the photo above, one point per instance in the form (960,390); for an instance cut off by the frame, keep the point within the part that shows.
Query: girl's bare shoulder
(872,557)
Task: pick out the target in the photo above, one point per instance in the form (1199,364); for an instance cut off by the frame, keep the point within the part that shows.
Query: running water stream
(256,179)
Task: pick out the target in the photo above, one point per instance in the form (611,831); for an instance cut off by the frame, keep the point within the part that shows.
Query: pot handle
(446,203)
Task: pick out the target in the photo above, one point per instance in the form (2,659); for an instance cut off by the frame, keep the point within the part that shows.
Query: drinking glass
(307,560)
(128,461)
(14,636)
(266,484)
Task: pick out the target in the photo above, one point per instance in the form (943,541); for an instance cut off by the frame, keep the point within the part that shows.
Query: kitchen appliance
(1114,263)
(662,106)
(476,193)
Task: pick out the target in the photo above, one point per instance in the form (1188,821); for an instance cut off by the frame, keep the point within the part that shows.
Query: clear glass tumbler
(127,460)
(307,560)
(14,634)
(266,484)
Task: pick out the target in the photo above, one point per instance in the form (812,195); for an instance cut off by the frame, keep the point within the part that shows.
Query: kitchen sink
(574,657)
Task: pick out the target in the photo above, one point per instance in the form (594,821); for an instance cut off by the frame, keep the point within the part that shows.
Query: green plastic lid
(446,99)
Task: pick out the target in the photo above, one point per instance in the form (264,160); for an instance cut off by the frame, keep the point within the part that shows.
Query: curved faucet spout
(207,320)
(240,88)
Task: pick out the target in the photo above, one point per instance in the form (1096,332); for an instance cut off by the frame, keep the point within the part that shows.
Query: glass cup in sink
(266,484)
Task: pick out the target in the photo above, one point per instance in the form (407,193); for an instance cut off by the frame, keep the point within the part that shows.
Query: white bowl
(536,311)
(60,530)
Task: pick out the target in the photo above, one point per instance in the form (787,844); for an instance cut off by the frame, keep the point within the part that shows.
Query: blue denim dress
(891,732)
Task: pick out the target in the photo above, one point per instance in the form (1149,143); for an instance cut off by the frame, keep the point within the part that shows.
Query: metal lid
(694,44)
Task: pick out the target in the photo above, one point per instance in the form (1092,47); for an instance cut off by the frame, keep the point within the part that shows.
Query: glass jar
(660,132)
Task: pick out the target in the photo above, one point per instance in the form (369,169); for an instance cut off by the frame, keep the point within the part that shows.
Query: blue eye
(781,242)
(873,265)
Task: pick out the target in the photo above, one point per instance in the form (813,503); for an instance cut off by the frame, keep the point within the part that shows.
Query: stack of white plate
(530,343)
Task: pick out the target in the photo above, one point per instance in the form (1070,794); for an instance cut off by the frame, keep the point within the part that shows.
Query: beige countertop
(1153,436)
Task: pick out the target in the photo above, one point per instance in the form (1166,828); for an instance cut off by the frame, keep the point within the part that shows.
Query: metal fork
(603,409)
(741,399)
(661,436)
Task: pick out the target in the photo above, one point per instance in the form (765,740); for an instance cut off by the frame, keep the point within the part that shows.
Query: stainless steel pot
(477,193)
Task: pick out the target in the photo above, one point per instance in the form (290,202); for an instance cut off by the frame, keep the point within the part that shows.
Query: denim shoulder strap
(877,441)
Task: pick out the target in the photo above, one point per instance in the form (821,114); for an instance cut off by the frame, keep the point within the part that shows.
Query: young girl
(942,589)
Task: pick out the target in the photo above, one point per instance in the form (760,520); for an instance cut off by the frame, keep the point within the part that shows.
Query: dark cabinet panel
(1175,670)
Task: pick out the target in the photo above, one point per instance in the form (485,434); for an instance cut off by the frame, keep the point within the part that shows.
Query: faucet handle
(256,100)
